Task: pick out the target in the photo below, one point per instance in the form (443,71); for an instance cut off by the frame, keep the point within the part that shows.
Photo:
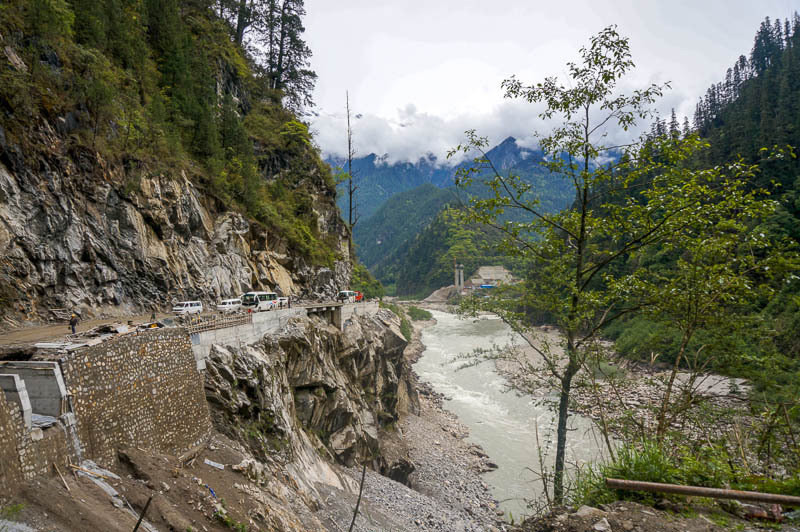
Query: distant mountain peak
(507,141)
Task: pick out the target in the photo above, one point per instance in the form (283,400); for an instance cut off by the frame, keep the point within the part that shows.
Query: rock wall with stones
(10,426)
(24,453)
(78,232)
(137,390)
(312,384)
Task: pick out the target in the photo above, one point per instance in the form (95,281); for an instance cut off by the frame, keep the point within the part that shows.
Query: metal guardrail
(219,323)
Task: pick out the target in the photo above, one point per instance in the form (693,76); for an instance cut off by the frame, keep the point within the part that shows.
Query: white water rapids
(503,423)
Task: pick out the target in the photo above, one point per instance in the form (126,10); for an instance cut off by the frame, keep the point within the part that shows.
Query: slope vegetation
(144,157)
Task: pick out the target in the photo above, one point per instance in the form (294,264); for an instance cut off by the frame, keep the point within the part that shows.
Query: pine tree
(674,127)
(286,54)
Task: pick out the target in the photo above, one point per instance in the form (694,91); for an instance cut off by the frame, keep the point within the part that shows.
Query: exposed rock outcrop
(313,388)
(78,232)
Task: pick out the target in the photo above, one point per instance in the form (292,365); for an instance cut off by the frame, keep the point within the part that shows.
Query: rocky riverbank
(625,396)
(447,467)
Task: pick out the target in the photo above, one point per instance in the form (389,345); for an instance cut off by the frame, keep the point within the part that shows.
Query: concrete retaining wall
(360,309)
(44,384)
(15,392)
(263,323)
(137,390)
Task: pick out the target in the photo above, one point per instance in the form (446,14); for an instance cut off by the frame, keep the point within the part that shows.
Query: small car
(283,302)
(229,305)
(187,307)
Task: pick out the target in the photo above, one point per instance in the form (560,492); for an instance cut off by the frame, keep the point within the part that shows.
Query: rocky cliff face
(310,398)
(76,233)
(314,387)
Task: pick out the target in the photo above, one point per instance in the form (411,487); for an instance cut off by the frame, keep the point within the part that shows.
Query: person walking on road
(73,322)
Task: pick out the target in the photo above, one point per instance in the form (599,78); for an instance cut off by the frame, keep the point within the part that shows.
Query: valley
(570,273)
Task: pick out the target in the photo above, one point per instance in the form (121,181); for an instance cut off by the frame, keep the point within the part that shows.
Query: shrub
(363,281)
(405,325)
(648,462)
(406,329)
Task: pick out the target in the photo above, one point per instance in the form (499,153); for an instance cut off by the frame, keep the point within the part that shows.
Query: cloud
(410,134)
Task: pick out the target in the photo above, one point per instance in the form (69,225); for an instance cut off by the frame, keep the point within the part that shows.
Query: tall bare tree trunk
(352,218)
(277,71)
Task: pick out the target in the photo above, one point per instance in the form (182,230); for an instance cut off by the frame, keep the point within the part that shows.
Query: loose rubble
(633,517)
(447,493)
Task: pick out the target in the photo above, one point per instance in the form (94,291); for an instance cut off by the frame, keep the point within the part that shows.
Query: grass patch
(706,466)
(419,314)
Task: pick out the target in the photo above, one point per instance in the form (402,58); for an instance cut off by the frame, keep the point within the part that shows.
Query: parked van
(229,305)
(258,301)
(187,307)
(347,296)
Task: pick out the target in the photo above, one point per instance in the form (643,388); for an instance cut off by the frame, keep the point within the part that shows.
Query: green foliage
(231,523)
(405,325)
(708,466)
(603,259)
(381,239)
(161,86)
(644,462)
(647,461)
(363,281)
(419,314)
(737,118)
(11,511)
(406,329)
(51,20)
(426,263)
(403,243)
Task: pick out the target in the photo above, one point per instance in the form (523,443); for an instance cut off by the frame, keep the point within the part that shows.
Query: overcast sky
(420,72)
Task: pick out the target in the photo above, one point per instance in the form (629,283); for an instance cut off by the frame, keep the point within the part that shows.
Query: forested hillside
(378,180)
(397,221)
(163,84)
(753,111)
(144,96)
(405,243)
(425,263)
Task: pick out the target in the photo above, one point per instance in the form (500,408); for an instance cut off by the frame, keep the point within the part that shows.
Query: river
(503,423)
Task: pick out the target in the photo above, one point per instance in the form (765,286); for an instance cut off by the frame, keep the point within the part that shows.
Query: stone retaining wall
(137,390)
(10,465)
(26,453)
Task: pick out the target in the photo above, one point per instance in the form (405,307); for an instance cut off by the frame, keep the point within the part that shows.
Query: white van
(187,307)
(258,301)
(229,305)
(346,296)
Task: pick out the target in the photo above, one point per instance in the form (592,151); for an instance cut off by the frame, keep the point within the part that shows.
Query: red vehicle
(359,297)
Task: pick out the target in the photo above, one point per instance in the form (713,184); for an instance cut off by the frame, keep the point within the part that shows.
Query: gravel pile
(447,494)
